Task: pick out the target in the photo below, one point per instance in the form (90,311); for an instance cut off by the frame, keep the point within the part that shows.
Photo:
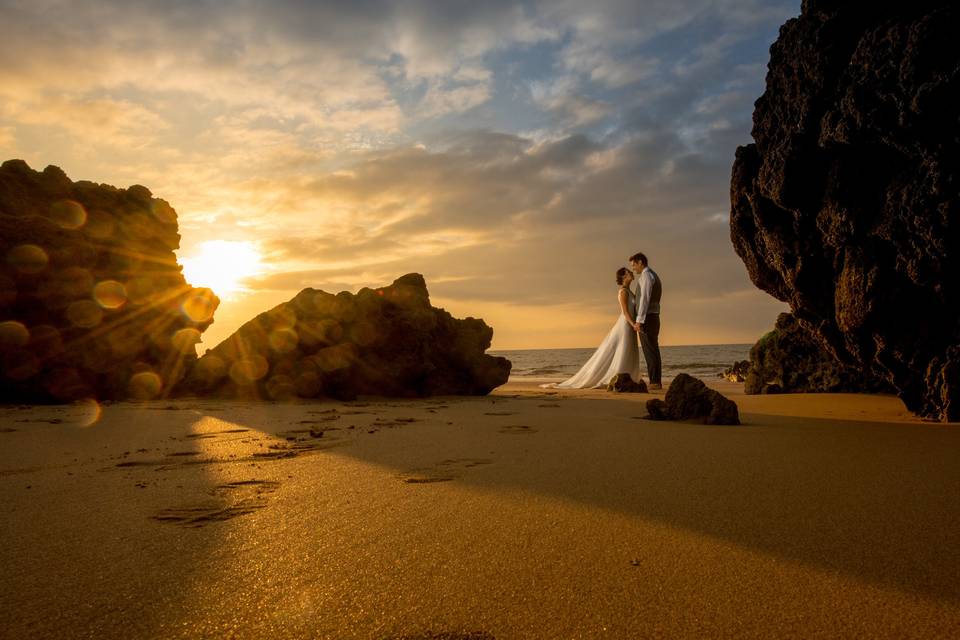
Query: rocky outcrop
(624,383)
(738,372)
(92,301)
(386,342)
(790,359)
(847,205)
(690,399)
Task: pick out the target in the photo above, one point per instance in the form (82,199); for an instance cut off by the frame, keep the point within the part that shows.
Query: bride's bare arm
(622,296)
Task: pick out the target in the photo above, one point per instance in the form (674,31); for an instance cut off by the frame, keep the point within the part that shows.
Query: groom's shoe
(656,386)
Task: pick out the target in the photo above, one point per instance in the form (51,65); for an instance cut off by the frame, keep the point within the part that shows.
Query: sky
(515,153)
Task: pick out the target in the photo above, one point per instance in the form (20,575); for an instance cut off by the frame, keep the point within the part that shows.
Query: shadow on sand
(872,500)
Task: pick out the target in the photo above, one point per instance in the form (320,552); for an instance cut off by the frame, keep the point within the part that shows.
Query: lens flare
(13,334)
(145,385)
(84,314)
(283,340)
(185,339)
(100,225)
(249,370)
(110,294)
(87,412)
(28,258)
(68,214)
(198,308)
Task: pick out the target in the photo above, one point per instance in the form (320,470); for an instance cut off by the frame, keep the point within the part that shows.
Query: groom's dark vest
(654,306)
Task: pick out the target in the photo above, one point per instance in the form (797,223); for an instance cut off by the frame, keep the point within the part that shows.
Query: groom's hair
(639,257)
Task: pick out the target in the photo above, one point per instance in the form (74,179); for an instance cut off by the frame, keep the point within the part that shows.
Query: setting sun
(222,265)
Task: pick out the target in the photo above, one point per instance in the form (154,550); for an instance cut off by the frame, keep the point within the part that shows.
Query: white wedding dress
(618,353)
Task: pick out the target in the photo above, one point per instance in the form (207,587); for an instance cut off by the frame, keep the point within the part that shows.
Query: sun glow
(222,265)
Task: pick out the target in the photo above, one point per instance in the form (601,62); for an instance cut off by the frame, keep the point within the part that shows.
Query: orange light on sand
(222,265)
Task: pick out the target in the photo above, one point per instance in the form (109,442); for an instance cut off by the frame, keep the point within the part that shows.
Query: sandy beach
(530,513)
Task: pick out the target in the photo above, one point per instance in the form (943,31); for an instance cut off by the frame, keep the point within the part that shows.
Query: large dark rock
(790,359)
(624,383)
(92,301)
(387,342)
(847,205)
(690,399)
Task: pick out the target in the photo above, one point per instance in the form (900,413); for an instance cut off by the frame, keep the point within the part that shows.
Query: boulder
(92,300)
(387,341)
(790,359)
(690,399)
(623,383)
(737,372)
(847,204)
(657,410)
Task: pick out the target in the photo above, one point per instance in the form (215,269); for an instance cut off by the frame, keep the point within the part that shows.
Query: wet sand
(530,513)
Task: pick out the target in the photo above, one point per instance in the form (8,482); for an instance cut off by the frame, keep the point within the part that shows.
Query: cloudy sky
(515,153)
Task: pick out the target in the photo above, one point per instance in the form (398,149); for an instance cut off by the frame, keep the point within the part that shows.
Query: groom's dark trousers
(649,342)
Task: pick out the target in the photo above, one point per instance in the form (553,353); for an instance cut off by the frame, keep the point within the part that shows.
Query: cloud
(573,109)
(8,143)
(355,141)
(104,120)
(597,63)
(447,97)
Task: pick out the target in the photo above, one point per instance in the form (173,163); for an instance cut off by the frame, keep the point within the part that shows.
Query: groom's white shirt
(645,283)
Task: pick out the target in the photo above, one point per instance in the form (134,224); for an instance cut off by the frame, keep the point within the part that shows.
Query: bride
(618,353)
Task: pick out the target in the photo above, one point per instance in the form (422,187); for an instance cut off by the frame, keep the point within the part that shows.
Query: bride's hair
(621,274)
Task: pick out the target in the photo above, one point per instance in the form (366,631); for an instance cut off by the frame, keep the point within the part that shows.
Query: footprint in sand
(228,501)
(329,418)
(214,434)
(443,471)
(517,429)
(12,472)
(134,463)
(448,635)
(390,423)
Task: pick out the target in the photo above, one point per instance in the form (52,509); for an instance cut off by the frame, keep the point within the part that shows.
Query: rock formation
(92,301)
(690,399)
(847,205)
(790,359)
(738,372)
(387,342)
(624,383)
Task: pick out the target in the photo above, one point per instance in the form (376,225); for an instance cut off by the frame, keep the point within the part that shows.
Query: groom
(648,316)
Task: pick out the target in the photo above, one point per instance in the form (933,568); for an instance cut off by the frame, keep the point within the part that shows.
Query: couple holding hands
(637,328)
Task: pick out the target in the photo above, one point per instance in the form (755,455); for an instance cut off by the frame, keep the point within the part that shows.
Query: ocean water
(701,361)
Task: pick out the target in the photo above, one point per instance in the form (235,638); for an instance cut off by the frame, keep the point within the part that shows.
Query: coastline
(529,513)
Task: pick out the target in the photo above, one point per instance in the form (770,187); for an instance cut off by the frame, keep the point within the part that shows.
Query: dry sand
(526,514)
